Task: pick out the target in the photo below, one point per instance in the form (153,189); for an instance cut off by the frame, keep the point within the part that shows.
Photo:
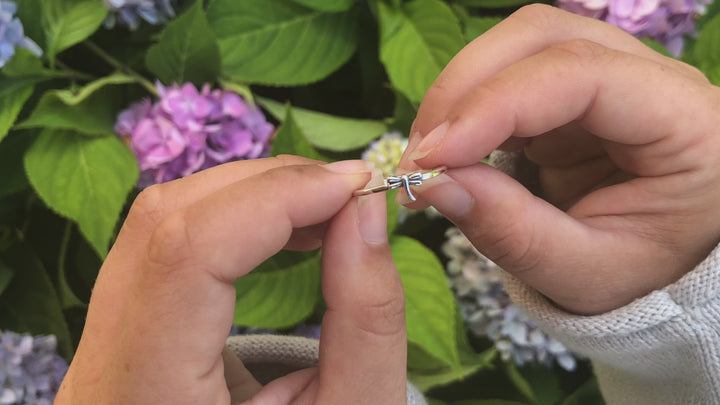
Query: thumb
(363,343)
(525,235)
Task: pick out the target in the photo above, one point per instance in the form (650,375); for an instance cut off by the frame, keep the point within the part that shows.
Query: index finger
(526,32)
(644,112)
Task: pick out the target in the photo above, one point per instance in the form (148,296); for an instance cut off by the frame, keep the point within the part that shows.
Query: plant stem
(71,73)
(119,66)
(68,299)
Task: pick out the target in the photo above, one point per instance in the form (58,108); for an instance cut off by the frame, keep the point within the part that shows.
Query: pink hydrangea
(666,21)
(188,130)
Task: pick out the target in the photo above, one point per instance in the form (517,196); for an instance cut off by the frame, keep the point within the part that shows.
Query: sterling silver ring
(406,180)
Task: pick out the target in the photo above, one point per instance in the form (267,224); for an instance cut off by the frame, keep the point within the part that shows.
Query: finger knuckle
(385,317)
(148,206)
(581,50)
(170,243)
(518,254)
(538,16)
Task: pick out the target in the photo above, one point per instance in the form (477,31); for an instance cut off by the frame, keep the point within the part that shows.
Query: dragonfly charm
(406,180)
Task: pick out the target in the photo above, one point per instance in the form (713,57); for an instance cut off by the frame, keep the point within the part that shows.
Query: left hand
(164,300)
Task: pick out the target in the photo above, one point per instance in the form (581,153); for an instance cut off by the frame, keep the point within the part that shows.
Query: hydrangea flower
(189,130)
(130,12)
(488,312)
(665,21)
(12,33)
(30,370)
(386,152)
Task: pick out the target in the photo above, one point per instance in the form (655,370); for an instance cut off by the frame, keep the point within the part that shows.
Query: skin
(626,141)
(164,300)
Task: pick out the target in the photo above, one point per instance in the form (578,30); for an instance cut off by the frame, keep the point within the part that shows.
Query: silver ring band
(406,180)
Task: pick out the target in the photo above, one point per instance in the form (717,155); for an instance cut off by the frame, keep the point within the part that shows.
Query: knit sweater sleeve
(268,357)
(663,348)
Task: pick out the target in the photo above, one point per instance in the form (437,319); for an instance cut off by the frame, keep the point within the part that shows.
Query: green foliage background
(335,74)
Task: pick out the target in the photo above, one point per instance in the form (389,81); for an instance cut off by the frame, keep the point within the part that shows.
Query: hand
(164,300)
(627,145)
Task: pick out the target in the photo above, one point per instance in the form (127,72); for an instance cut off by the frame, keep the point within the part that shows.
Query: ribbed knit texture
(663,348)
(268,357)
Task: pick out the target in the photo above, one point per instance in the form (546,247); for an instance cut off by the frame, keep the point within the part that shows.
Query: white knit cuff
(268,357)
(661,348)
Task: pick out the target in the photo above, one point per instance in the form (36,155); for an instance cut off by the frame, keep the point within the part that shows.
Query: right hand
(628,146)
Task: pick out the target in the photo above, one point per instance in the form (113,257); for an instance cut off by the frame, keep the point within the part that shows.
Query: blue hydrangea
(131,12)
(12,34)
(488,312)
(30,369)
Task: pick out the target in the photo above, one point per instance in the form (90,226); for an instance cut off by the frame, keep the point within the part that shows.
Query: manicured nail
(429,142)
(404,162)
(372,214)
(350,166)
(447,196)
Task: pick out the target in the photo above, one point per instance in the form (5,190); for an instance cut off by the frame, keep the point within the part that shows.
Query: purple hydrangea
(666,21)
(488,312)
(12,33)
(130,12)
(189,130)
(30,370)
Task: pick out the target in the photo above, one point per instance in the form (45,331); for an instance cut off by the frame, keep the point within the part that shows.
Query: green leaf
(416,42)
(425,381)
(476,26)
(279,42)
(705,53)
(89,110)
(587,394)
(657,47)
(30,303)
(393,211)
(83,178)
(11,102)
(24,64)
(713,74)
(404,114)
(27,12)
(68,22)
(280,293)
(545,383)
(187,50)
(291,140)
(329,132)
(426,372)
(327,5)
(12,150)
(522,384)
(430,305)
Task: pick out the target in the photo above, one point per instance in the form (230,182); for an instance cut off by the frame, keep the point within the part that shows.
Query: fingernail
(447,196)
(429,142)
(372,214)
(350,166)
(405,163)
(413,142)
